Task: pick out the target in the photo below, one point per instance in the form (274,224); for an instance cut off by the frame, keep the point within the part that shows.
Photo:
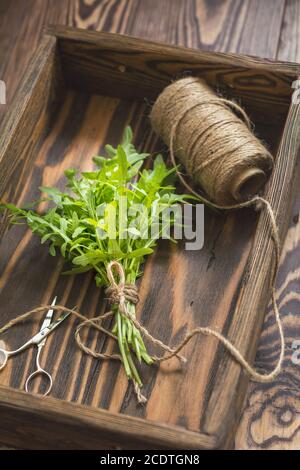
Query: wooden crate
(79,92)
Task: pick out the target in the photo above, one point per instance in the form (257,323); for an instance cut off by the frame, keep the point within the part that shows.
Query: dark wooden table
(266,28)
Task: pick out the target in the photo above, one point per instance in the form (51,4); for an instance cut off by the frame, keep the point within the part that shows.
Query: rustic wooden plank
(36,98)
(83,427)
(271,413)
(228,26)
(121,67)
(257,27)
(270,418)
(21,28)
(288,48)
(27,121)
(115,17)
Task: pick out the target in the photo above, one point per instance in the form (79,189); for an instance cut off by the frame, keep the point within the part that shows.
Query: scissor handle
(3,358)
(32,377)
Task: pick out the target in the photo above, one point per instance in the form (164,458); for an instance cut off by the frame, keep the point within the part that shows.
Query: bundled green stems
(129,337)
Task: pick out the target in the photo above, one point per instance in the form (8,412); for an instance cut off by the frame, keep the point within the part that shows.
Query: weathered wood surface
(30,119)
(121,68)
(252,27)
(271,418)
(83,427)
(21,27)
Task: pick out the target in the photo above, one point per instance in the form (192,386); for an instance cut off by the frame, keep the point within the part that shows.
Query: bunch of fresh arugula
(77,225)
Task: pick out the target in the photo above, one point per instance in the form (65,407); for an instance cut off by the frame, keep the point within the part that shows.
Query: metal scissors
(39,340)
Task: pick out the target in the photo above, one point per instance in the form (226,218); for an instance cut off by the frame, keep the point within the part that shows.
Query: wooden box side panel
(28,119)
(132,68)
(34,422)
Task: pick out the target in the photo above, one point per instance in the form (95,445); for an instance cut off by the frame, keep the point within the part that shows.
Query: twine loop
(118,291)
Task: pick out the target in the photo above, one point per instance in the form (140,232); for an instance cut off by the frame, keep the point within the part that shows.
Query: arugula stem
(135,373)
(121,346)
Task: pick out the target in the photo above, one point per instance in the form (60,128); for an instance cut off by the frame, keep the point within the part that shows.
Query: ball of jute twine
(120,293)
(215,146)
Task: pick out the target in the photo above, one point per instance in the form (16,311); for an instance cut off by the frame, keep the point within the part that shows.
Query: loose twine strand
(257,201)
(120,293)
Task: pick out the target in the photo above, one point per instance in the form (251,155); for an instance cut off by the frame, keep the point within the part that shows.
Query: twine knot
(119,291)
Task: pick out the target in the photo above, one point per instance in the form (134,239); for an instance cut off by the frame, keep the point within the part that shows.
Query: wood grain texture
(83,427)
(271,413)
(244,26)
(21,28)
(40,77)
(35,104)
(121,67)
(175,397)
(226,26)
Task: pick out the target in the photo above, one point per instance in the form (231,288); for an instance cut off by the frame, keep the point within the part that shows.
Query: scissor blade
(46,331)
(49,315)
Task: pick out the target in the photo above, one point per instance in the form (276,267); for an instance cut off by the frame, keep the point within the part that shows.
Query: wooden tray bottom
(179,290)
